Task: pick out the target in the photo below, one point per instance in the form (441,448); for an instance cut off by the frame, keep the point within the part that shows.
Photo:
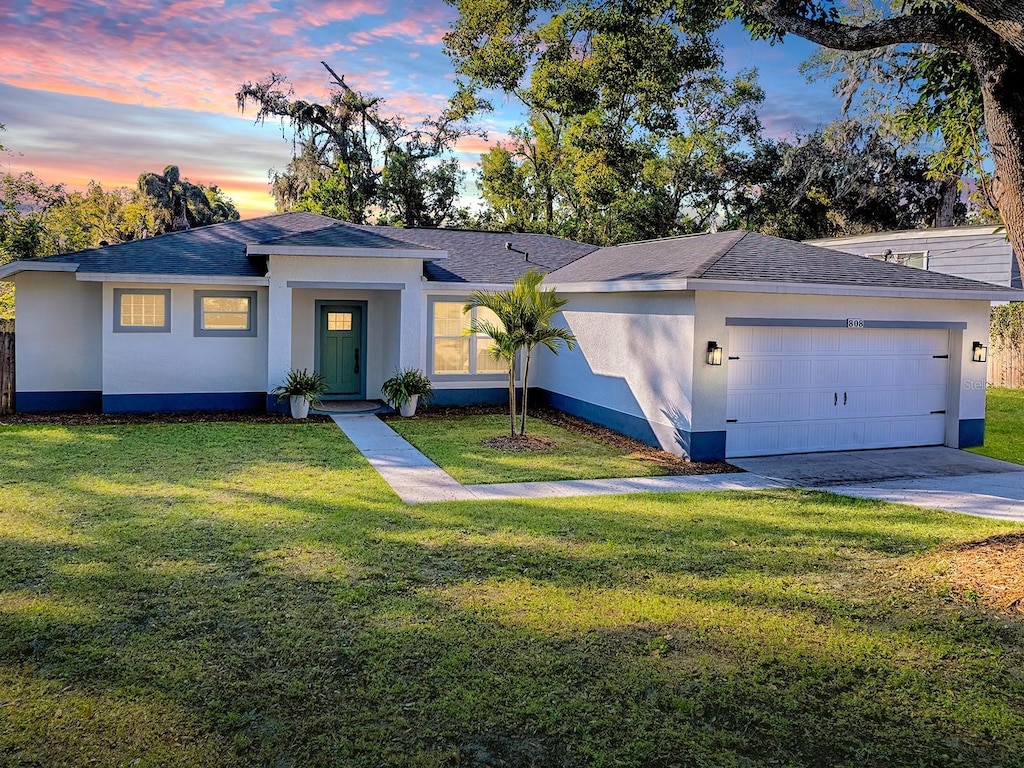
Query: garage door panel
(815,389)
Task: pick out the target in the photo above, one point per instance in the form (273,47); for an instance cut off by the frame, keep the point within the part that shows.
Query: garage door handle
(835,398)
(934,412)
(844,398)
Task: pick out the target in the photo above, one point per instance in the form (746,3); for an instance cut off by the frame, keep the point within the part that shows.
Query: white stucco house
(712,346)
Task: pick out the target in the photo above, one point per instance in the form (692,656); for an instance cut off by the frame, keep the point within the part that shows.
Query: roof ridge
(720,254)
(329,225)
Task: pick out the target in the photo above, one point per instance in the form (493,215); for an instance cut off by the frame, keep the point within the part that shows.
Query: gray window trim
(489,376)
(165,328)
(197,305)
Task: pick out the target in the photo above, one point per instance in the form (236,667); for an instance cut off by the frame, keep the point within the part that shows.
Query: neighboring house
(977,253)
(712,346)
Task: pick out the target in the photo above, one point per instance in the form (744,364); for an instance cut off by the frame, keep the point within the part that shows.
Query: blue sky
(106,89)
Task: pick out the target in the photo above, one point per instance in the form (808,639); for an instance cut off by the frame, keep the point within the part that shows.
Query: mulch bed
(992,570)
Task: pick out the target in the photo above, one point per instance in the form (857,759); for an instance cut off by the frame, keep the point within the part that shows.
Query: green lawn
(454,444)
(1004,425)
(254,595)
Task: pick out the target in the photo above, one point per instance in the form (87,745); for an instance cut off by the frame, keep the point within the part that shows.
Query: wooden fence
(6,366)
(1005,366)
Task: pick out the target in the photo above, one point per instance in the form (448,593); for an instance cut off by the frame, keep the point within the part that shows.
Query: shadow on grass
(248,596)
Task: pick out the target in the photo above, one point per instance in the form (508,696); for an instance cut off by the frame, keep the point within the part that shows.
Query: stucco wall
(642,356)
(967,379)
(180,362)
(394,284)
(383,334)
(59,341)
(634,358)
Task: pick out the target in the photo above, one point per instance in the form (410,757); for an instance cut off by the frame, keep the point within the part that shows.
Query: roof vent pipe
(508,247)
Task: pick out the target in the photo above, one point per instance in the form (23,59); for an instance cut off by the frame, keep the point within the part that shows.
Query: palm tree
(540,307)
(508,308)
(525,313)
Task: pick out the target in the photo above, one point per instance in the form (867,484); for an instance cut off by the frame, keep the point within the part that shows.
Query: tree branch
(878,34)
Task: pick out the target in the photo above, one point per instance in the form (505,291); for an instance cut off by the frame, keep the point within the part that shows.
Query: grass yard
(254,595)
(1004,425)
(454,444)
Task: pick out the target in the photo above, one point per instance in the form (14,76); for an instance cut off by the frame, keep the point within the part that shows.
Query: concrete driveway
(937,478)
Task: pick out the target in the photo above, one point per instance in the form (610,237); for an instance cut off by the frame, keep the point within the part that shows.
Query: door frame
(323,304)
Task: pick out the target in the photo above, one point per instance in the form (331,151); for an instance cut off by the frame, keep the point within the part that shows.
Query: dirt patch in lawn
(990,571)
(669,463)
(104,419)
(519,443)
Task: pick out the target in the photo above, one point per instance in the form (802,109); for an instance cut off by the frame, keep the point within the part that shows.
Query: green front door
(342,358)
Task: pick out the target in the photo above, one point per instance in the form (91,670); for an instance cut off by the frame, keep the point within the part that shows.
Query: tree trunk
(526,384)
(1004,121)
(512,400)
(949,194)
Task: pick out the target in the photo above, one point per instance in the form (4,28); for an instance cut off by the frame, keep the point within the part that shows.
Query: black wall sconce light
(714,353)
(979,352)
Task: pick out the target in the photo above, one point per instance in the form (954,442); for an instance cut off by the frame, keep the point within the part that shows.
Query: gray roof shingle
(749,256)
(481,257)
(477,256)
(220,249)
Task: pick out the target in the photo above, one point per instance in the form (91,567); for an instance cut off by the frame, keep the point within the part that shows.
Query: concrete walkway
(418,480)
(414,477)
(936,478)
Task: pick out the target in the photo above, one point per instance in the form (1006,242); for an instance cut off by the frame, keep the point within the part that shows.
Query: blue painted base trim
(275,406)
(699,446)
(181,402)
(704,446)
(487,396)
(52,402)
(625,423)
(972,433)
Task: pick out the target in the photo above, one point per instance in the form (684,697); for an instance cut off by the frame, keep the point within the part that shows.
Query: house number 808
(854,322)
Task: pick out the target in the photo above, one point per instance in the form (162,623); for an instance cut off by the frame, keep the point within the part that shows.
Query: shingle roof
(749,256)
(220,249)
(340,234)
(481,257)
(476,256)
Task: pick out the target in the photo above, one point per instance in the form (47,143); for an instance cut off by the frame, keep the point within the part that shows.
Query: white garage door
(796,390)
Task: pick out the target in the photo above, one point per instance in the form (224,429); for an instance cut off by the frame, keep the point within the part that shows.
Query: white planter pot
(299,405)
(409,409)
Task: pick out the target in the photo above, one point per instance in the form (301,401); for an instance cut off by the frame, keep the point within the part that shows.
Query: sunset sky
(107,89)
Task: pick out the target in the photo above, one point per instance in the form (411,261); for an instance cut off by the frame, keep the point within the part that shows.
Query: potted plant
(300,388)
(405,388)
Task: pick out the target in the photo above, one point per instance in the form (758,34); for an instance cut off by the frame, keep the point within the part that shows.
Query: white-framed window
(142,310)
(452,353)
(225,313)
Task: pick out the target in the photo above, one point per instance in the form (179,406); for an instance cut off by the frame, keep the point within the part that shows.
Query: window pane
(143,310)
(225,321)
(451,355)
(484,314)
(449,319)
(484,362)
(339,321)
(225,304)
(225,313)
